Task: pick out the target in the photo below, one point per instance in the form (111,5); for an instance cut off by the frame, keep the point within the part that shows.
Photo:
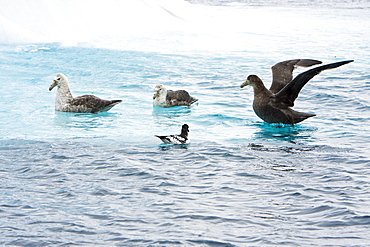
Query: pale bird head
(59,80)
(159,90)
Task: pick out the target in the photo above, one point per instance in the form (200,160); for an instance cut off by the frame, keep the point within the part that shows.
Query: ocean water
(104,180)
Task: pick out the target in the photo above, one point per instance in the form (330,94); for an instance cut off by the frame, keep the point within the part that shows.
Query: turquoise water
(104,179)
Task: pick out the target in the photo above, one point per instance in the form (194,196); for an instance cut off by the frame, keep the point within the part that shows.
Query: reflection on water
(165,147)
(284,132)
(86,121)
(172,112)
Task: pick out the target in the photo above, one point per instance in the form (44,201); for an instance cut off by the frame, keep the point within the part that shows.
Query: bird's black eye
(58,79)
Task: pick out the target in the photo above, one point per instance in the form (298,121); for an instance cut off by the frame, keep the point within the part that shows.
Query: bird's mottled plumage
(273,105)
(168,98)
(177,139)
(65,102)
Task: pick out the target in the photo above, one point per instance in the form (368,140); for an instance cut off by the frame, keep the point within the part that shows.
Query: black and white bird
(177,139)
(65,102)
(274,105)
(168,98)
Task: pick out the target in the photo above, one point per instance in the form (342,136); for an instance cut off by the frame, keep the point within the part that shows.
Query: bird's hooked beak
(156,94)
(157,90)
(246,83)
(53,85)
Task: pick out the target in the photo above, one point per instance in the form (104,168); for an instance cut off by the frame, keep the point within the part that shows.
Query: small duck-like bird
(65,102)
(177,139)
(168,98)
(274,105)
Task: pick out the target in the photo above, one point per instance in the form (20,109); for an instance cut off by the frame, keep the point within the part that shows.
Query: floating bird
(273,106)
(168,98)
(65,102)
(177,139)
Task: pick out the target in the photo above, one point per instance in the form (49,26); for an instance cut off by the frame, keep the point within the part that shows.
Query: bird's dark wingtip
(345,62)
(332,65)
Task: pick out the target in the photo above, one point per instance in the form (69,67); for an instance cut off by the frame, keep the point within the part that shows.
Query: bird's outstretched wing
(282,72)
(287,95)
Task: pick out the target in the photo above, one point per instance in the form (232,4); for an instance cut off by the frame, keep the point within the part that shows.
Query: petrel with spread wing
(274,105)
